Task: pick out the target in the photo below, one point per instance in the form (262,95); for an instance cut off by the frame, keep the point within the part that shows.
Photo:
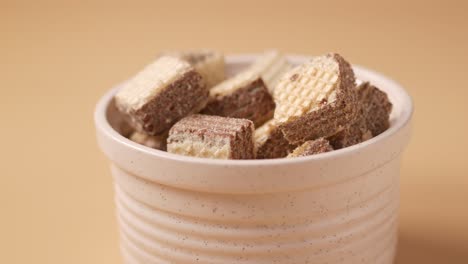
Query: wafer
(161,94)
(243,96)
(374,110)
(271,65)
(156,142)
(270,142)
(316,99)
(117,120)
(210,64)
(375,107)
(311,147)
(212,137)
(352,135)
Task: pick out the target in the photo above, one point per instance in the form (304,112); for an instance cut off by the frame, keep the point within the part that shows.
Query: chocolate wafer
(352,135)
(311,147)
(210,64)
(156,142)
(375,107)
(316,99)
(212,137)
(161,94)
(243,96)
(270,142)
(374,110)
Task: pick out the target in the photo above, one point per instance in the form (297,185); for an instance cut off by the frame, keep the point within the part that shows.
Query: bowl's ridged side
(353,221)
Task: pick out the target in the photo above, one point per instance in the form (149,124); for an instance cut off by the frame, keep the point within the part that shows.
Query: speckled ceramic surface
(337,207)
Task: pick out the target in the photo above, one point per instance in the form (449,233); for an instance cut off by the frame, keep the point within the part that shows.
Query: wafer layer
(247,98)
(374,110)
(212,137)
(156,142)
(271,65)
(316,99)
(311,147)
(210,64)
(161,94)
(270,142)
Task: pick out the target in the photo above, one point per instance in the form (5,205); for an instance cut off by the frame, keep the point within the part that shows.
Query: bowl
(335,207)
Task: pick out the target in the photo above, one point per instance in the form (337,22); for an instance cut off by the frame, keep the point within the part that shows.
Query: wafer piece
(210,64)
(316,99)
(351,135)
(117,120)
(271,65)
(375,107)
(156,142)
(270,142)
(311,147)
(212,137)
(161,94)
(243,96)
(374,110)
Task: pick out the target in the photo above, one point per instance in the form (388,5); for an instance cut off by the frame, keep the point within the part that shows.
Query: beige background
(57,59)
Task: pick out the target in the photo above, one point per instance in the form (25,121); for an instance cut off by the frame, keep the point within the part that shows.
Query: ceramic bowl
(336,207)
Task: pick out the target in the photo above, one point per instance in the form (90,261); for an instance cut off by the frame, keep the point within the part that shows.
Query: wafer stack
(374,110)
(316,99)
(160,95)
(243,96)
(212,137)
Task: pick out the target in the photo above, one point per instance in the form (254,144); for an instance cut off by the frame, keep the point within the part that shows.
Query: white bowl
(336,207)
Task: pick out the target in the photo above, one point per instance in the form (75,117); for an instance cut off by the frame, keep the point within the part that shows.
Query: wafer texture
(247,97)
(374,110)
(270,142)
(316,99)
(311,147)
(156,142)
(209,63)
(212,137)
(161,94)
(271,65)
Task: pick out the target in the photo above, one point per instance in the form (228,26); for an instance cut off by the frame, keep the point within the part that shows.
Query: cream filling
(195,146)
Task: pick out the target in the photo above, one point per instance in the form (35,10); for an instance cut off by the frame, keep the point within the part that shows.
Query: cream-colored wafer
(210,64)
(117,120)
(164,92)
(316,99)
(156,142)
(242,96)
(212,137)
(270,142)
(312,147)
(271,65)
